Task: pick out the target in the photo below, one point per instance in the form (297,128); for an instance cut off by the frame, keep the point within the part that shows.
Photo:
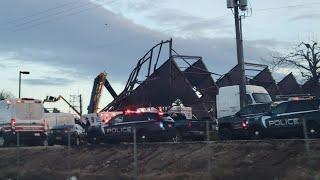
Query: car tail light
(189,125)
(13,123)
(244,124)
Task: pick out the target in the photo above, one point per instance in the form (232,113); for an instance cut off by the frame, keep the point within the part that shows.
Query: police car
(289,119)
(149,123)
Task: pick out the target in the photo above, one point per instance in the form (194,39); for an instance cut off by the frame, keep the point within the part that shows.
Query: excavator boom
(98,84)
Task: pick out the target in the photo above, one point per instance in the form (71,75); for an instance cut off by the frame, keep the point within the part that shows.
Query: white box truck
(228,99)
(25,117)
(56,119)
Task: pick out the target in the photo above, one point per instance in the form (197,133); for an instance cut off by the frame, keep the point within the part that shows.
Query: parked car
(241,125)
(24,116)
(289,118)
(60,134)
(192,129)
(150,126)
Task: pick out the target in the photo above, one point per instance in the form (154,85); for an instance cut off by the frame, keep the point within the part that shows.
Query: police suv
(290,119)
(150,125)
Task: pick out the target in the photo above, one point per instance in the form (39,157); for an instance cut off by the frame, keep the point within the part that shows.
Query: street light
(21,72)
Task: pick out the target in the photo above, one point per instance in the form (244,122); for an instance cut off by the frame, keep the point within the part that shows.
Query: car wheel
(313,130)
(95,140)
(178,137)
(142,137)
(2,141)
(50,143)
(77,141)
(256,134)
(45,142)
(225,134)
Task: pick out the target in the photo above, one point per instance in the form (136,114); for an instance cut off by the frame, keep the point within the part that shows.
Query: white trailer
(228,99)
(23,116)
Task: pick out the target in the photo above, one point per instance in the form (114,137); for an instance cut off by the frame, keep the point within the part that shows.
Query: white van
(56,119)
(24,116)
(228,99)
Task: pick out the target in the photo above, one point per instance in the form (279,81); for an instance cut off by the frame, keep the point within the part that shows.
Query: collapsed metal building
(311,87)
(266,80)
(180,77)
(263,78)
(153,83)
(289,85)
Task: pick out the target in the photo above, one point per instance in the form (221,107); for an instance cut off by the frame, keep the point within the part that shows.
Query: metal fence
(209,159)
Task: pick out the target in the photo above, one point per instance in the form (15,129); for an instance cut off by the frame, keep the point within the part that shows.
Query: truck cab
(239,126)
(23,117)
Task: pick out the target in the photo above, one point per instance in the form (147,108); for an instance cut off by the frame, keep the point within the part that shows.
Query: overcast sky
(66,43)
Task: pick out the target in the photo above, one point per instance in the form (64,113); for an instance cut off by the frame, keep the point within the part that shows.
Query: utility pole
(238,5)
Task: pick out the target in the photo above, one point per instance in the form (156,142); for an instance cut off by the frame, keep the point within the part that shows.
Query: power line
(48,16)
(50,20)
(14,20)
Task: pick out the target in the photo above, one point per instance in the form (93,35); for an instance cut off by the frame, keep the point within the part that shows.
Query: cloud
(2,66)
(48,81)
(187,25)
(311,16)
(82,45)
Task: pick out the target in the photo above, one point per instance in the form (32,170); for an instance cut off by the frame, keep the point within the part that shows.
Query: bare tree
(5,94)
(305,57)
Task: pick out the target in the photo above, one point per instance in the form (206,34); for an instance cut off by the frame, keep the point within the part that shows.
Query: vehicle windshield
(262,97)
(279,108)
(29,111)
(255,109)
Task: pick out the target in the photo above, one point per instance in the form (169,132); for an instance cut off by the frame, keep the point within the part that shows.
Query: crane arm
(98,84)
(96,93)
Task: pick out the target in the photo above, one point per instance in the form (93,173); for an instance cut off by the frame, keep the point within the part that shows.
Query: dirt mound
(218,160)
